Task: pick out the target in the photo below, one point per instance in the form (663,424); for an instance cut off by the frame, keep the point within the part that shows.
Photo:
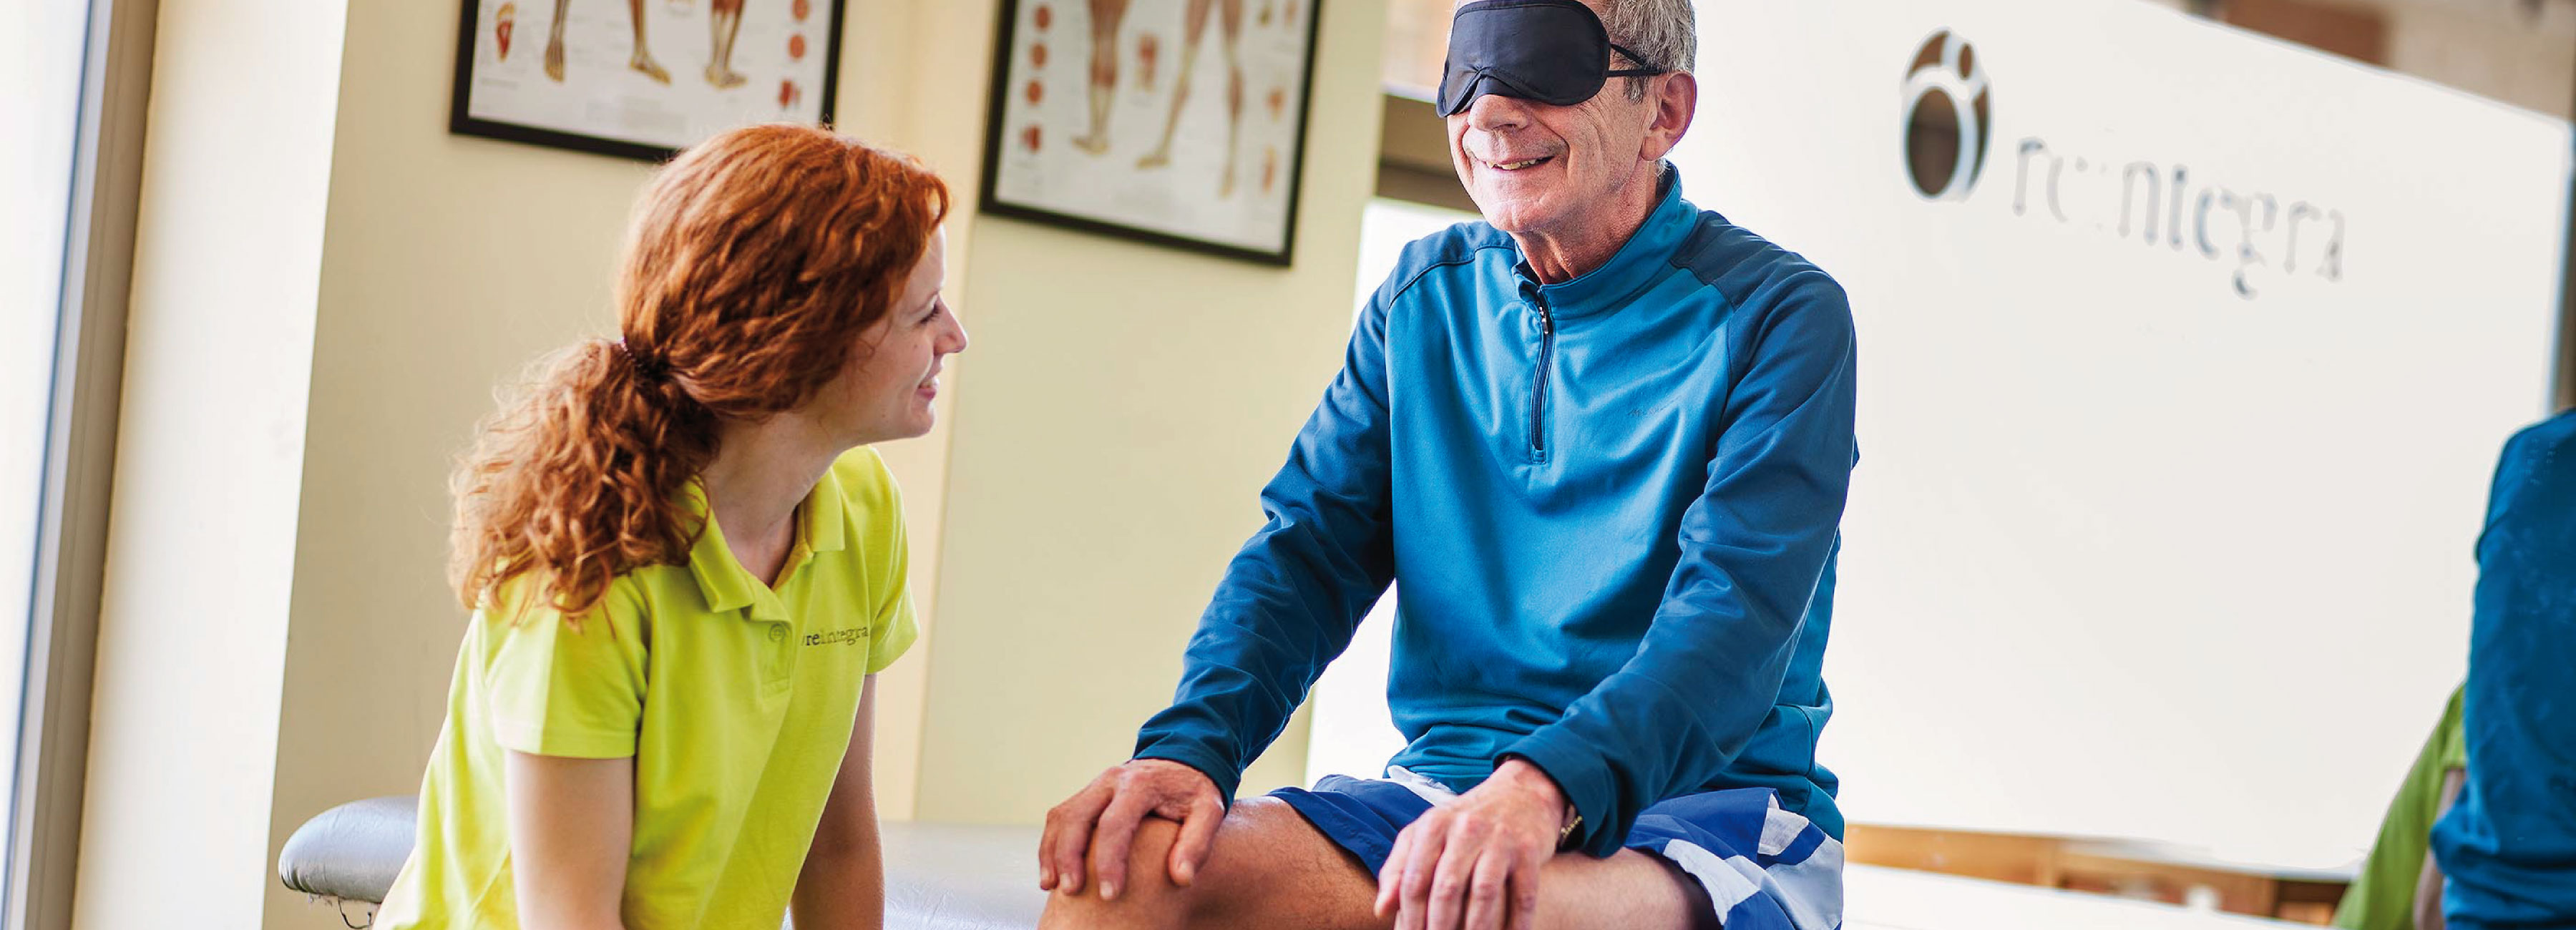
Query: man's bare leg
(643,58)
(1269,868)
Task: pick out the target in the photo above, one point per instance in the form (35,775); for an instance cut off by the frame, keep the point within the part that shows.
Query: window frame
(79,467)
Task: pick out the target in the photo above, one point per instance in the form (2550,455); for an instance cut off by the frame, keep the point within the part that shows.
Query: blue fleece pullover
(1610,505)
(2508,847)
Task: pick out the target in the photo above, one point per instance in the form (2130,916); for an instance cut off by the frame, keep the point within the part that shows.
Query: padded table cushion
(954,877)
(352,851)
(938,876)
(951,877)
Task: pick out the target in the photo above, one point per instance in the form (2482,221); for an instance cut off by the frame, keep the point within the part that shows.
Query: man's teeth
(1518,165)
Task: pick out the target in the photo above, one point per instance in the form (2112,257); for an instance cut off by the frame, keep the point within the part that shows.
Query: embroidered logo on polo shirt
(848,636)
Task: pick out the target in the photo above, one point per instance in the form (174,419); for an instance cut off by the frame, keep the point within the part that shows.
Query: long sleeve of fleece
(1292,597)
(2509,847)
(1752,549)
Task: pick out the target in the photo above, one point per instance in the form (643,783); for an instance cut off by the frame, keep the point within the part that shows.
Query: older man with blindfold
(1601,441)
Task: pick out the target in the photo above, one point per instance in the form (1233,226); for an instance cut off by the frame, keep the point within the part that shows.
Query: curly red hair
(753,262)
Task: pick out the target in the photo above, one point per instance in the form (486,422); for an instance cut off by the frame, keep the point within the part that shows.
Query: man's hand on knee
(1474,861)
(1097,826)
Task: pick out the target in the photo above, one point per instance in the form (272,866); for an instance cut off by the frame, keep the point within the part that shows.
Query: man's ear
(1675,98)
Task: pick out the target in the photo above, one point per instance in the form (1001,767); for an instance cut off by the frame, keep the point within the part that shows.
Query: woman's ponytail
(577,479)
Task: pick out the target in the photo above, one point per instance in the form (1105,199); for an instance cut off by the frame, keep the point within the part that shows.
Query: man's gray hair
(1663,31)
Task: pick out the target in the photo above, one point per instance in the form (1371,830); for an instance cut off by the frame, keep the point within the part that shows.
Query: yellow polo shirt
(735,698)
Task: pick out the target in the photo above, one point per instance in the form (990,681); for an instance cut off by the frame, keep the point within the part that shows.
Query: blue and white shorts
(1764,868)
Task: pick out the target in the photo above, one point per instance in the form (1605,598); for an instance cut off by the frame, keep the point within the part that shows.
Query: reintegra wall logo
(1947,118)
(2261,237)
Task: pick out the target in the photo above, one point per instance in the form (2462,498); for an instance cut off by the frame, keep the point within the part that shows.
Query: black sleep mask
(1547,51)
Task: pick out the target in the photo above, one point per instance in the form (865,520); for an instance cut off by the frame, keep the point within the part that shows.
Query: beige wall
(1126,404)
(924,62)
(330,285)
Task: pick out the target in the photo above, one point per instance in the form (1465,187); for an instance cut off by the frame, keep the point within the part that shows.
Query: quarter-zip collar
(1636,266)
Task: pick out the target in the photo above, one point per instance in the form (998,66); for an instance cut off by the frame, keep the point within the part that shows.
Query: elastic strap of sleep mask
(1643,70)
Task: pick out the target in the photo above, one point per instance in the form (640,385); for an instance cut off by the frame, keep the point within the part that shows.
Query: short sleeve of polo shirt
(560,689)
(895,631)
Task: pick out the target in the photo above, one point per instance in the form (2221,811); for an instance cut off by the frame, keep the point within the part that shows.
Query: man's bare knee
(1148,898)
(1266,868)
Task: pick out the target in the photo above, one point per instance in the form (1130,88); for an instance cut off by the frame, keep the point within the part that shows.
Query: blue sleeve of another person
(1298,589)
(1753,548)
(2509,845)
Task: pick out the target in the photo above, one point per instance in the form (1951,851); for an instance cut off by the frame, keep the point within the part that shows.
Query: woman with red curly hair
(686,567)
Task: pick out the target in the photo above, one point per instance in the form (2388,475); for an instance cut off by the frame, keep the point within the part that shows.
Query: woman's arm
(2428,886)
(571,823)
(842,886)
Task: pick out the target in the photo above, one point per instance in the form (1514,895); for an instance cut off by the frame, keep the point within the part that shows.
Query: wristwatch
(1573,822)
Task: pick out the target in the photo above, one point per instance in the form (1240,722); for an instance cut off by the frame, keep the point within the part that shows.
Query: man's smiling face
(1533,168)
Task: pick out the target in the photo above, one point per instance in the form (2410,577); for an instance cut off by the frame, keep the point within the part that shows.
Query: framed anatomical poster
(641,78)
(1180,122)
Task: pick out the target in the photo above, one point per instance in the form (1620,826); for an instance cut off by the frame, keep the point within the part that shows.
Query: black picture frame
(994,204)
(460,122)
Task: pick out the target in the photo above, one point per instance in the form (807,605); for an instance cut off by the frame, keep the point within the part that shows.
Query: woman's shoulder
(871,510)
(863,480)
(528,602)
